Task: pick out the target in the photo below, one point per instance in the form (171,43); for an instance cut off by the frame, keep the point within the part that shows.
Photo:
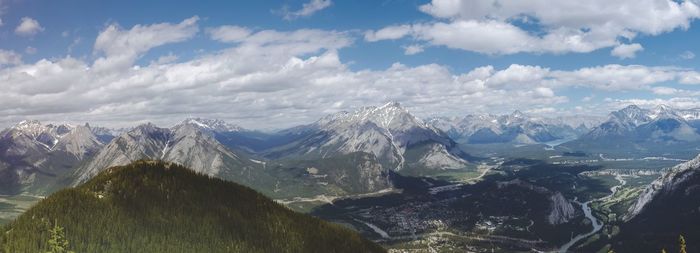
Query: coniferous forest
(152,206)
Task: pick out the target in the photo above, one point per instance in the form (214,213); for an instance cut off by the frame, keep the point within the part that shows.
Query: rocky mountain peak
(215,125)
(664,112)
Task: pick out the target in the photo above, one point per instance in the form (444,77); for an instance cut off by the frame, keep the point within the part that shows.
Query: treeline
(159,207)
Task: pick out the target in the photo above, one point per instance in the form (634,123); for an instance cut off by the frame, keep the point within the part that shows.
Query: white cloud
(307,9)
(615,77)
(544,92)
(229,33)
(676,102)
(491,26)
(1,23)
(388,33)
(413,49)
(689,77)
(687,55)
(542,111)
(626,51)
(28,27)
(661,90)
(9,58)
(121,47)
(271,78)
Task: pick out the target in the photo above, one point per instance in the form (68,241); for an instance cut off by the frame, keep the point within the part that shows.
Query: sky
(276,64)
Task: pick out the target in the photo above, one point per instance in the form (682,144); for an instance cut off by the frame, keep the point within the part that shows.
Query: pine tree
(58,242)
(681,241)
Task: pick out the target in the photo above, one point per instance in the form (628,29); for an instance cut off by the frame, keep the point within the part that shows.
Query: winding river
(597,224)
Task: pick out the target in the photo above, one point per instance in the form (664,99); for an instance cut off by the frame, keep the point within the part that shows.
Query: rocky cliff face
(187,144)
(38,157)
(668,183)
(388,132)
(561,210)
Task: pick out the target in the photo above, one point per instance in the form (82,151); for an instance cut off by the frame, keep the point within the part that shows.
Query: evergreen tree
(57,241)
(155,207)
(681,241)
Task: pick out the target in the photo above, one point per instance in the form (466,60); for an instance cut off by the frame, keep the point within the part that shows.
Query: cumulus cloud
(675,102)
(388,33)
(493,27)
(271,78)
(9,58)
(626,51)
(28,27)
(306,10)
(228,33)
(413,49)
(287,43)
(662,90)
(122,47)
(615,77)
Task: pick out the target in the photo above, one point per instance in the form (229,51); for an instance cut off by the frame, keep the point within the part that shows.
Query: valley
(402,182)
(329,126)
(434,215)
(13,206)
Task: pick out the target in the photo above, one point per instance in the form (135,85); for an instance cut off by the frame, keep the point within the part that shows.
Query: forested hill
(159,207)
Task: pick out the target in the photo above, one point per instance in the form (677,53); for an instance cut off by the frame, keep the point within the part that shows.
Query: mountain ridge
(150,206)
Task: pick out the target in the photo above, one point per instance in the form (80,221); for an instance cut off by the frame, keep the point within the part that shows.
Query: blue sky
(271,64)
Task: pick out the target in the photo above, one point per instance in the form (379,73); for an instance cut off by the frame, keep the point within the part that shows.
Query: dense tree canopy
(158,207)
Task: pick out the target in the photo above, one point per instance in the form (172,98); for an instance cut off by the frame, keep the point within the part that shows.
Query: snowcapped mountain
(193,143)
(398,139)
(35,156)
(215,125)
(516,127)
(660,124)
(189,143)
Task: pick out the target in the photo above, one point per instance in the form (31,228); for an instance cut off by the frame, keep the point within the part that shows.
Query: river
(597,224)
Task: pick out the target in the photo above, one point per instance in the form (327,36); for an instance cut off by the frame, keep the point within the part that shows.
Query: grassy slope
(156,207)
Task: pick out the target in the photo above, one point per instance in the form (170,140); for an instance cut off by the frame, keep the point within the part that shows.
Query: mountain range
(634,130)
(516,128)
(398,139)
(341,153)
(358,153)
(36,157)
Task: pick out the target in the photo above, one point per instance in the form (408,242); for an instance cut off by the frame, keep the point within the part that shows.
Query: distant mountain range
(635,130)
(37,157)
(357,153)
(517,128)
(342,153)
